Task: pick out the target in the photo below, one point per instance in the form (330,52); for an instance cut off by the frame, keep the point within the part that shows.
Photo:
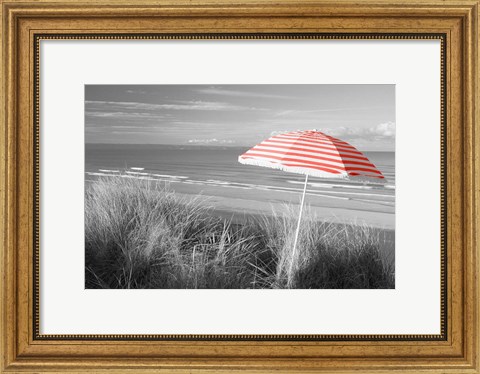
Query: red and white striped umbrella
(313,153)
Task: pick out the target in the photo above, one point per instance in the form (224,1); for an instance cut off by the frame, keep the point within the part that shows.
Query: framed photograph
(250,186)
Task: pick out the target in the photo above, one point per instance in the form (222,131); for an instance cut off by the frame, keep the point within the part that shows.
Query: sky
(239,115)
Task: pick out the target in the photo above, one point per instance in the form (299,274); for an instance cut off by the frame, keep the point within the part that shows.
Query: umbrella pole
(298,224)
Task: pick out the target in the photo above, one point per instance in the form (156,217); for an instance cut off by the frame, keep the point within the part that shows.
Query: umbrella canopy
(313,153)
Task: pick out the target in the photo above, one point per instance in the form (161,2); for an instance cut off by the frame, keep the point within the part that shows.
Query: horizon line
(211,145)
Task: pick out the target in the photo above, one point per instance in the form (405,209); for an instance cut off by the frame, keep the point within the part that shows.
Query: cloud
(278,132)
(296,113)
(128,106)
(123,115)
(386,130)
(210,141)
(288,123)
(234,93)
(93,127)
(136,92)
(382,131)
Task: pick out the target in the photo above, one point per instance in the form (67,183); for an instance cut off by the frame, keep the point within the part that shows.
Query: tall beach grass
(141,234)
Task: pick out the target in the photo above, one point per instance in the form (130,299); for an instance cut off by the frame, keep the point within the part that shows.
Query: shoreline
(263,200)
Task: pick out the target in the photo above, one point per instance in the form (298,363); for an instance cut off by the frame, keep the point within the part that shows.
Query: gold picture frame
(25,24)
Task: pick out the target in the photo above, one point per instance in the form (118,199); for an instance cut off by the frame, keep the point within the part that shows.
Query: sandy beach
(264,203)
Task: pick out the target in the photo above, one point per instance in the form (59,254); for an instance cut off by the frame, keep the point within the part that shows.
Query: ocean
(214,172)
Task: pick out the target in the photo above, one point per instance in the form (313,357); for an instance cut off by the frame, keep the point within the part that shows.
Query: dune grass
(140,234)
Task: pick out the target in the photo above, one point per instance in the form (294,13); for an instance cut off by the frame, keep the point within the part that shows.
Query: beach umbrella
(312,153)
